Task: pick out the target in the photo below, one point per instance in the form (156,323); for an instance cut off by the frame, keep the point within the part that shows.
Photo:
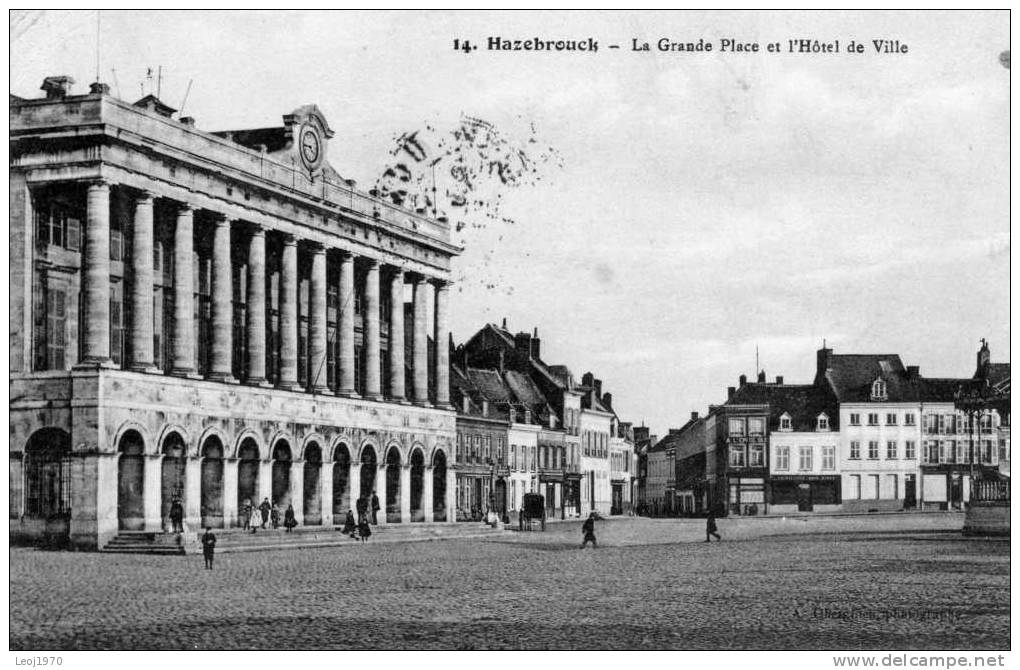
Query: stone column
(192,494)
(288,316)
(152,493)
(372,372)
(354,487)
(442,339)
(405,494)
(317,322)
(222,343)
(451,495)
(428,490)
(184,293)
(96,316)
(256,307)
(380,490)
(420,342)
(265,487)
(229,492)
(141,286)
(346,334)
(297,492)
(326,491)
(397,390)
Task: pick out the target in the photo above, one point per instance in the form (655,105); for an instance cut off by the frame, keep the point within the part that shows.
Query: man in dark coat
(265,508)
(208,547)
(375,507)
(177,516)
(589,532)
(711,528)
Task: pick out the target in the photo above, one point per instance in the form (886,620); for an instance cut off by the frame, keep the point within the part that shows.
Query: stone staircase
(236,540)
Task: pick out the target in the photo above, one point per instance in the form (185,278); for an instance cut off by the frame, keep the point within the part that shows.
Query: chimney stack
(522,343)
(779,379)
(729,392)
(536,345)
(694,416)
(465,404)
(598,389)
(187,121)
(99,88)
(743,380)
(485,408)
(913,371)
(823,361)
(504,323)
(57,87)
(761,377)
(607,400)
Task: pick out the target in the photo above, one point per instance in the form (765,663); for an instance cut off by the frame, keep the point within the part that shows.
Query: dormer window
(878,390)
(823,421)
(513,415)
(785,422)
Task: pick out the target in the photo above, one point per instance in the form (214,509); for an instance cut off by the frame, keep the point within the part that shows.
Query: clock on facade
(310,146)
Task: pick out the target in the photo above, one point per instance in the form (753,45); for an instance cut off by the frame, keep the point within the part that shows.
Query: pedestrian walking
(208,547)
(288,518)
(274,516)
(246,515)
(375,508)
(177,516)
(364,530)
(350,528)
(362,506)
(710,528)
(265,508)
(589,532)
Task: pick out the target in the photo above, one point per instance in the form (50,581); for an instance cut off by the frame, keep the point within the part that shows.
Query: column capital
(441,284)
(289,240)
(102,183)
(144,196)
(183,207)
(257,229)
(316,247)
(372,263)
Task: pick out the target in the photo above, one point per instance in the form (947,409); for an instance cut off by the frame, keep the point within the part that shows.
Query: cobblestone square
(910,583)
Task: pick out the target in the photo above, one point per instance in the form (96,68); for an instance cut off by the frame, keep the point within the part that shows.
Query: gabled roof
(803,402)
(850,377)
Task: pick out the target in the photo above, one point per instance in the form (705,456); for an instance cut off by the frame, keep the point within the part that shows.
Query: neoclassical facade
(215,318)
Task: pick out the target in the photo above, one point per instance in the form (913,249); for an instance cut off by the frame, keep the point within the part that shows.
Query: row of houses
(527,427)
(866,434)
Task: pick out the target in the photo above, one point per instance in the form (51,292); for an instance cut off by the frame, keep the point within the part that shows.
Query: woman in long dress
(288,518)
(350,528)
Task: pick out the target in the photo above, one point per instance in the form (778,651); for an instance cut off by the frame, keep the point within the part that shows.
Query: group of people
(254,517)
(368,512)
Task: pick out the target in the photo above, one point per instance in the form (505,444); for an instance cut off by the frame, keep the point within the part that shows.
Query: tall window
(890,450)
(873,450)
(806,459)
(854,492)
(47,474)
(58,224)
(304,368)
(239,287)
(738,457)
(855,419)
(890,419)
(855,450)
(785,423)
(873,419)
(756,426)
(757,456)
(878,390)
(782,458)
(50,317)
(829,457)
(332,341)
(910,450)
(203,312)
(823,422)
(117,322)
(909,419)
(736,426)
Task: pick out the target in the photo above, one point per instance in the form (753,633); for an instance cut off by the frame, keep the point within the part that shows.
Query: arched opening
(131,482)
(247,474)
(417,485)
(212,483)
(368,466)
(281,475)
(439,487)
(341,484)
(48,474)
(173,476)
(393,486)
(312,497)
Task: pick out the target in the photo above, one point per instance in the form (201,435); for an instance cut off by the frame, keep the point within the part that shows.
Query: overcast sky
(708,204)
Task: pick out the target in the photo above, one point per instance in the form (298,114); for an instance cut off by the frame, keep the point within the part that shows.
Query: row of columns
(184,363)
(153,491)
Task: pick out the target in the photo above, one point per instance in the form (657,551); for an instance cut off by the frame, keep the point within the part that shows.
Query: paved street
(908,582)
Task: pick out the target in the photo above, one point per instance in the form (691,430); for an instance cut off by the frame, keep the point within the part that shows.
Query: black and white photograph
(344,332)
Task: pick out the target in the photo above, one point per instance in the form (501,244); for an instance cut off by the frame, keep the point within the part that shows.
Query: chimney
(607,400)
(598,389)
(729,392)
(504,323)
(779,379)
(743,380)
(466,404)
(913,371)
(99,88)
(57,87)
(824,361)
(984,356)
(522,343)
(588,379)
(761,377)
(536,345)
(187,121)
(694,416)
(502,363)
(485,408)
